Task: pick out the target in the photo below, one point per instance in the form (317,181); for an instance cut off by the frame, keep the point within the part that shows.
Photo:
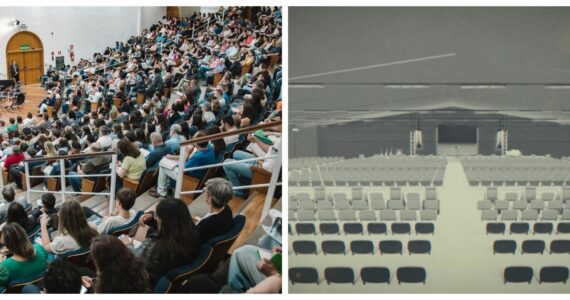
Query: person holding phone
(255,270)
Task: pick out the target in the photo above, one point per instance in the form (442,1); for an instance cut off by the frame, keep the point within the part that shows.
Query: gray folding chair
(326,215)
(396,204)
(367,215)
(357,193)
(339,197)
(565,214)
(320,194)
(491,194)
(529,215)
(307,205)
(428,215)
(324,204)
(413,204)
(342,204)
(432,204)
(549,215)
(530,194)
(489,215)
(484,205)
(412,196)
(302,196)
(537,204)
(346,215)
(520,205)
(395,194)
(292,204)
(408,215)
(547,196)
(292,215)
(511,196)
(377,201)
(387,215)
(509,215)
(555,204)
(359,205)
(431,193)
(501,204)
(306,215)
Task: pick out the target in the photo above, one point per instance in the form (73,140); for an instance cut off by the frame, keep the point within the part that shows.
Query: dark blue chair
(124,229)
(303,275)
(173,280)
(79,257)
(16,286)
(518,274)
(553,274)
(222,243)
(375,275)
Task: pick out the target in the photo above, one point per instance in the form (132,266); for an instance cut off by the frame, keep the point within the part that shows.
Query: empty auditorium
(429,150)
(141,149)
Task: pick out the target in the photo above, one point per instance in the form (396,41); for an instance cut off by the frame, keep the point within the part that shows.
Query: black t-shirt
(216,225)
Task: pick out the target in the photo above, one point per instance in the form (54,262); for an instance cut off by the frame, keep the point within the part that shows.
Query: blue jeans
(243,273)
(75,182)
(235,171)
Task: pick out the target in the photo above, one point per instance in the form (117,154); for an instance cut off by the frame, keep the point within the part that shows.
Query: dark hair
(72,221)
(199,134)
(16,240)
(219,144)
(62,277)
(118,269)
(48,200)
(16,213)
(229,120)
(126,197)
(179,239)
(127,148)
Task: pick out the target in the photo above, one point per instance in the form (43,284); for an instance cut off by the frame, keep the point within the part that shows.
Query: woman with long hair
(73,230)
(17,214)
(133,164)
(118,269)
(27,260)
(174,241)
(219,144)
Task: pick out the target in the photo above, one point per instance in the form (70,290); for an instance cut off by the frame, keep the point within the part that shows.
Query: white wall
(188,11)
(209,9)
(89,29)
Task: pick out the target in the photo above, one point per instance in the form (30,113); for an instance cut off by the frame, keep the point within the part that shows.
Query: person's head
(127,148)
(72,222)
(32,152)
(219,144)
(12,121)
(175,130)
(30,116)
(156,139)
(16,149)
(62,277)
(16,213)
(14,237)
(177,232)
(118,269)
(95,147)
(228,122)
(199,134)
(8,193)
(103,130)
(48,201)
(126,198)
(218,192)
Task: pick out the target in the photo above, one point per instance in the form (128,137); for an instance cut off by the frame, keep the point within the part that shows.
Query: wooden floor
(252,213)
(34,95)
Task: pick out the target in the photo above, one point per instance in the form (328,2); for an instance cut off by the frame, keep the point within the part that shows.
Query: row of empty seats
(529,170)
(308,275)
(530,193)
(525,215)
(362,215)
(361,247)
(524,228)
(531,246)
(358,228)
(552,274)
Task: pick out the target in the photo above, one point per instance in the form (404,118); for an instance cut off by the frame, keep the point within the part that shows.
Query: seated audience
(219,219)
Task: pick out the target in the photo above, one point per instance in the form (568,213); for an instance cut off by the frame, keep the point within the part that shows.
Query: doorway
(26,48)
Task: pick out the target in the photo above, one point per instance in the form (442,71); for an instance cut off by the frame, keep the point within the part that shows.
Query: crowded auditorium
(144,157)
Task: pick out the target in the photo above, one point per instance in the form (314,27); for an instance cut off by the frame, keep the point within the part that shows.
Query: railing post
(272,184)
(28,187)
(113,183)
(180,175)
(62,178)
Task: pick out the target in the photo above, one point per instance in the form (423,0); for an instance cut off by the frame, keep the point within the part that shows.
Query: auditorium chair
(92,185)
(303,275)
(217,78)
(245,70)
(148,179)
(79,257)
(94,105)
(117,102)
(36,171)
(259,176)
(140,98)
(339,275)
(125,229)
(166,92)
(5,176)
(274,60)
(190,183)
(222,243)
(375,275)
(16,286)
(173,280)
(304,247)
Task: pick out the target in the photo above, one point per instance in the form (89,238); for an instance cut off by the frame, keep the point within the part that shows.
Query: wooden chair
(5,176)
(189,183)
(92,186)
(53,184)
(274,60)
(36,171)
(217,78)
(50,111)
(16,286)
(166,92)
(94,105)
(245,70)
(140,98)
(259,176)
(148,179)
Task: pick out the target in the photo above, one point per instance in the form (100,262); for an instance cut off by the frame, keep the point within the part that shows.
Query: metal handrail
(71,156)
(229,163)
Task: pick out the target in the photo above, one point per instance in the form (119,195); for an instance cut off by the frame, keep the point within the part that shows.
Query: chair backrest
(79,257)
(553,274)
(411,275)
(375,275)
(504,246)
(148,179)
(15,286)
(362,247)
(176,277)
(303,275)
(222,243)
(518,274)
(339,275)
(124,229)
(304,247)
(533,246)
(333,247)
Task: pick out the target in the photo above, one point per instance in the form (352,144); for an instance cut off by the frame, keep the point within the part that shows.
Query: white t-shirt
(63,243)
(115,221)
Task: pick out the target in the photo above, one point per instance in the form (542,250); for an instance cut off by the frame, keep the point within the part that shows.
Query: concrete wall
(303,143)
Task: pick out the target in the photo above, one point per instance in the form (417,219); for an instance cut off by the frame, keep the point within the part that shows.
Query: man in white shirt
(228,125)
(104,138)
(123,214)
